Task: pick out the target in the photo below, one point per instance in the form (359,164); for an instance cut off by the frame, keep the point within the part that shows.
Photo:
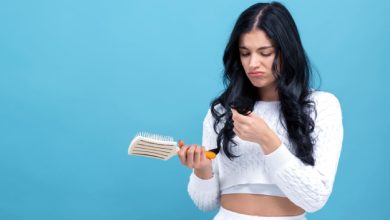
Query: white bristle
(155,136)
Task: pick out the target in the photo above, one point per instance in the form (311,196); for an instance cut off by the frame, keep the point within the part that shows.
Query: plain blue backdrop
(78,79)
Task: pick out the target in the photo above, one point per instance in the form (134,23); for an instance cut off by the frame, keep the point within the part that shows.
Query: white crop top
(264,189)
(279,173)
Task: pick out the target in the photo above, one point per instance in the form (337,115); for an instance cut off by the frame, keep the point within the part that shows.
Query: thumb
(252,115)
(180,143)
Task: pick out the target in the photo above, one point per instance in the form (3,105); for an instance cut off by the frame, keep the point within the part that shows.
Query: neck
(269,93)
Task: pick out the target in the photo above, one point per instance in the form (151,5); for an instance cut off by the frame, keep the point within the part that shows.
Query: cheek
(269,62)
(243,64)
(242,61)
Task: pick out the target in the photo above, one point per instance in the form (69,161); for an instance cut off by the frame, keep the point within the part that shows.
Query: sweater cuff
(202,184)
(278,159)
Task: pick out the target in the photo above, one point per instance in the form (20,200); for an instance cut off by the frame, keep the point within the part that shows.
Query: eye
(244,54)
(266,54)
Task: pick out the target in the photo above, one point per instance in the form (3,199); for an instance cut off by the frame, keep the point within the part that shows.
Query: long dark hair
(292,72)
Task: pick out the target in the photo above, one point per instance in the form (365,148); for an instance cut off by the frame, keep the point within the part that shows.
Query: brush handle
(209,154)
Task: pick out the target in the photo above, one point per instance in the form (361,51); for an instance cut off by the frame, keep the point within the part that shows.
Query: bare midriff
(260,205)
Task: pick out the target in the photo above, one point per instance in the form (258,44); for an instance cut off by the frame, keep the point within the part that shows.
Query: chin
(260,84)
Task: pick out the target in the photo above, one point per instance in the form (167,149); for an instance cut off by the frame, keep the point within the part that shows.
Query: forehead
(254,39)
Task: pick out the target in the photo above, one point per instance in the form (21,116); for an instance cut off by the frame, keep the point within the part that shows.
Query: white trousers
(224,214)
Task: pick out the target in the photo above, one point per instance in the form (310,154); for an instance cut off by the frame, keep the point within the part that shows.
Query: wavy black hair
(291,69)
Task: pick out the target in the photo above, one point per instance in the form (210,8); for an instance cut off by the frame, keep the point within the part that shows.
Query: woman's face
(257,56)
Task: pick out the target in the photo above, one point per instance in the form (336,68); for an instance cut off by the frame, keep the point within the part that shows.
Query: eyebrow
(260,48)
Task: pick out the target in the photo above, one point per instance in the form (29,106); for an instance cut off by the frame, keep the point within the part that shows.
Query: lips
(256,73)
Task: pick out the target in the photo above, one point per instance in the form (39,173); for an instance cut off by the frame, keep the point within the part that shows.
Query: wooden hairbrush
(158,146)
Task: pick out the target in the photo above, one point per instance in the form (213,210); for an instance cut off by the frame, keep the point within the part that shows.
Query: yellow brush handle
(209,154)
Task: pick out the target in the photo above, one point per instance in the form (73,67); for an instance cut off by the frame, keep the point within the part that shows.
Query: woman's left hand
(253,128)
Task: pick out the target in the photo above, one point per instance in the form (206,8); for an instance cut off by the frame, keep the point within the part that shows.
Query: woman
(279,141)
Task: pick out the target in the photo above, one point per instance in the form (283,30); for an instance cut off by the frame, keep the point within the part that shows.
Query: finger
(253,115)
(202,154)
(190,156)
(238,125)
(182,153)
(236,131)
(197,157)
(180,143)
(206,155)
(234,114)
(237,117)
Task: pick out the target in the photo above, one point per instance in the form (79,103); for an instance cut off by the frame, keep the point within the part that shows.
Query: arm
(205,192)
(310,186)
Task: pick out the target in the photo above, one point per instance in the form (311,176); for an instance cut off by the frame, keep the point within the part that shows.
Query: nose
(254,61)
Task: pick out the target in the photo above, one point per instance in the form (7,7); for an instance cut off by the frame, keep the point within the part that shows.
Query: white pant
(224,214)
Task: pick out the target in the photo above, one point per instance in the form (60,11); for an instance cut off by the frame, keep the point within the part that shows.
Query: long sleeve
(205,193)
(310,186)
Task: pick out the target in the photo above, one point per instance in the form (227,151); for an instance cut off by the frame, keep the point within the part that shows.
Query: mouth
(256,73)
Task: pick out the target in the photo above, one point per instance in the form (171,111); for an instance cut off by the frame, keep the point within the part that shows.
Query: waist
(260,205)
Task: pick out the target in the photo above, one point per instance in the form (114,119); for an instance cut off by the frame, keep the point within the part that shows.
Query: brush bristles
(153,145)
(155,136)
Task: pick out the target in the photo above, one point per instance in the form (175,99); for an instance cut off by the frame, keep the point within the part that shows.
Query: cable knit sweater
(307,186)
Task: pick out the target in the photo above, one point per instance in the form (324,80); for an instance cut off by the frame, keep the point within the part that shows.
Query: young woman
(279,141)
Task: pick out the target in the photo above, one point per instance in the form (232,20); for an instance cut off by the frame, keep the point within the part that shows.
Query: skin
(256,54)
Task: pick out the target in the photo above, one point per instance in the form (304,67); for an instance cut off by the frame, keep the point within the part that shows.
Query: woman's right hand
(194,157)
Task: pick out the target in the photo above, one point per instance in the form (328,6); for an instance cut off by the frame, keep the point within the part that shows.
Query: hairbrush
(158,146)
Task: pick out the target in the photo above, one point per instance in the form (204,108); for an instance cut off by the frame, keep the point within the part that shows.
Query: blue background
(78,79)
